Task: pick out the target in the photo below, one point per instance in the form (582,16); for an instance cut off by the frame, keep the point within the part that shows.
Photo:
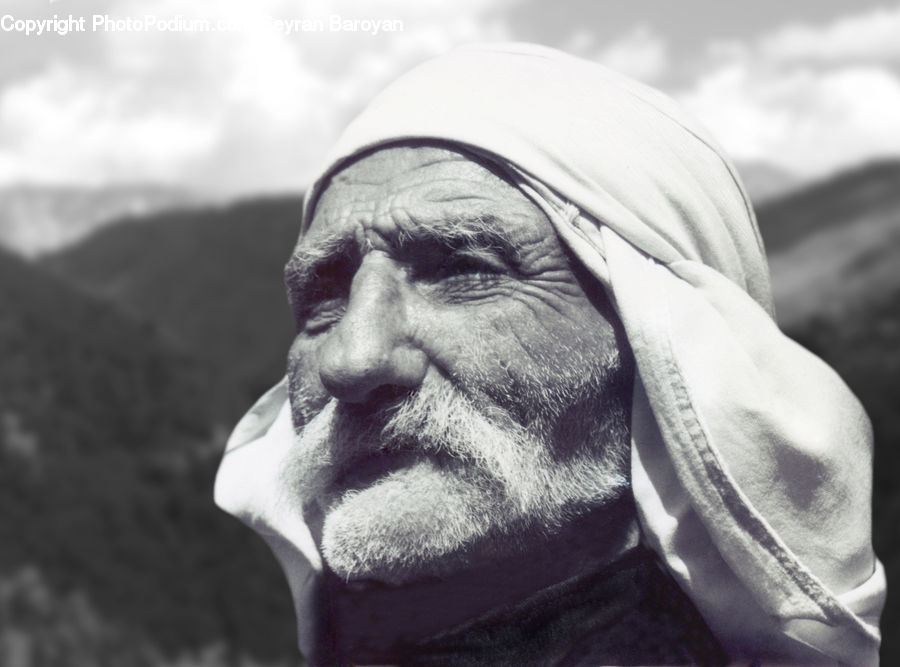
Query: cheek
(519,356)
(307,395)
(471,345)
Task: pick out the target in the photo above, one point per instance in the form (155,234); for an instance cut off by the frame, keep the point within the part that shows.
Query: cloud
(251,109)
(810,99)
(640,53)
(805,120)
(870,36)
(231,111)
(65,125)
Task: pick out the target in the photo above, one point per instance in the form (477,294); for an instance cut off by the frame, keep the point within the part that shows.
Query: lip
(364,470)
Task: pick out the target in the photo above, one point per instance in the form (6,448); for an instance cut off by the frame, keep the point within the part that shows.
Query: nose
(369,352)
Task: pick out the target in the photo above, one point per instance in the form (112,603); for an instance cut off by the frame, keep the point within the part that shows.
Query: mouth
(362,471)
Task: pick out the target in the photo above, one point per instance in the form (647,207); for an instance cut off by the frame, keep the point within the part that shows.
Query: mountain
(111,551)
(765,181)
(835,245)
(38,219)
(73,357)
(210,279)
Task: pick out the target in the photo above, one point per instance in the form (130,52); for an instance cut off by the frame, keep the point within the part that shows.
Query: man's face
(457,388)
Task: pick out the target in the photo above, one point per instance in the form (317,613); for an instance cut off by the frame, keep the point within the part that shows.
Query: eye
(469,263)
(323,301)
(463,264)
(322,315)
(324,306)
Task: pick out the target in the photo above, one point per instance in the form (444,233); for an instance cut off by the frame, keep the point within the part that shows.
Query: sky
(810,86)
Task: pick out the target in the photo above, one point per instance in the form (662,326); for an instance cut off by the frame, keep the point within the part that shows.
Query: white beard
(414,490)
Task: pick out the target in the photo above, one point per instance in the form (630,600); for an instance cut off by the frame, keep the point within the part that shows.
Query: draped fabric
(751,460)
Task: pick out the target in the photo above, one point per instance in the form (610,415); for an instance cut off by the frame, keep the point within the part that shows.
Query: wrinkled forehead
(379,166)
(397,188)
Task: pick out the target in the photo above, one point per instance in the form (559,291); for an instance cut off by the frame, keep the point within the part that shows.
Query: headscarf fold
(751,460)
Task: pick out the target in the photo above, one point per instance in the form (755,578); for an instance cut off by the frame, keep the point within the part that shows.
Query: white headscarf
(751,460)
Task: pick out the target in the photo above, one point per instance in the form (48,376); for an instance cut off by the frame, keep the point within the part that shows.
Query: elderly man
(537,410)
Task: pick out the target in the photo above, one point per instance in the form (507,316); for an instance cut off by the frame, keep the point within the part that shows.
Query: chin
(416,523)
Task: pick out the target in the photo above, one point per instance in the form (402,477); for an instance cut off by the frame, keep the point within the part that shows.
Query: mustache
(438,420)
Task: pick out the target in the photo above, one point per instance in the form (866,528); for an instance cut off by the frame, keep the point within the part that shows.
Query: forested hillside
(210,280)
(111,551)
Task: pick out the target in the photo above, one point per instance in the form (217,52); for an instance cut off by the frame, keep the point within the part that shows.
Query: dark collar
(629,613)
(571,606)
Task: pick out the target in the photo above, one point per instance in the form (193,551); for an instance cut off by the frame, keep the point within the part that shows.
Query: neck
(598,553)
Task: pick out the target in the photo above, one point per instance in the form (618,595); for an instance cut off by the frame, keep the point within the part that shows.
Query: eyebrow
(482,232)
(309,262)
(461,233)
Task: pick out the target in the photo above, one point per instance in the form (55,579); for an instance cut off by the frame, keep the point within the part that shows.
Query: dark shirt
(629,613)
